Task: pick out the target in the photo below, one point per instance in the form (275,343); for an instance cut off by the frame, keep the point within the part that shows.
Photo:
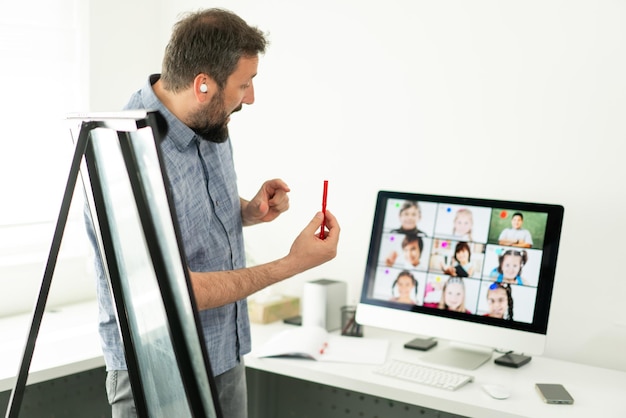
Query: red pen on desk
(323,231)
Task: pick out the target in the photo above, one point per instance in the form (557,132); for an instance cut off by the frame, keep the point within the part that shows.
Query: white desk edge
(596,391)
(68,343)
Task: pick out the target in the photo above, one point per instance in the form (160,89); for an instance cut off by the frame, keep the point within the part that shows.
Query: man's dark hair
(208,41)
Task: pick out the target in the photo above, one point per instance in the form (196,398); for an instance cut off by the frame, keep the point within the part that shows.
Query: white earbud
(203,88)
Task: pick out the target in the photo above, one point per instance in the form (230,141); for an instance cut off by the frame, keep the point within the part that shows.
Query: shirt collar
(179,133)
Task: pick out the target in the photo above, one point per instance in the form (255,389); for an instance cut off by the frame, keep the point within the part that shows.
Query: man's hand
(309,250)
(269,202)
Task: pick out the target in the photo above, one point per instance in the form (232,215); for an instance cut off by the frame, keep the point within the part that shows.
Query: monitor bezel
(545,284)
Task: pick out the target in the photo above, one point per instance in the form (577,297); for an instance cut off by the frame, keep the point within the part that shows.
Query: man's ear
(203,87)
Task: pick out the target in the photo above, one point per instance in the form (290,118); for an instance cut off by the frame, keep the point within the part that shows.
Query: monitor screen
(469,270)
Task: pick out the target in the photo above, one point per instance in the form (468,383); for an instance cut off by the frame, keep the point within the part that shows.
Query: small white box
(321,303)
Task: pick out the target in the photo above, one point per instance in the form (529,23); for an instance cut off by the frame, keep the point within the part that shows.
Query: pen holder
(349,326)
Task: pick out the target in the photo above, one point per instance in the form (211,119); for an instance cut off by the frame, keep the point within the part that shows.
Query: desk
(597,391)
(68,343)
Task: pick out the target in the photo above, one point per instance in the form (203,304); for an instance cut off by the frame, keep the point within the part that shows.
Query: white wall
(126,40)
(512,100)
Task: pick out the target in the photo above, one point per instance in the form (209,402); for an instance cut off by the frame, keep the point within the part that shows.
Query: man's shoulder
(135,101)
(143,97)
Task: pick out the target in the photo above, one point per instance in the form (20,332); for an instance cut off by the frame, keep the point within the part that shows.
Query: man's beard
(213,133)
(209,123)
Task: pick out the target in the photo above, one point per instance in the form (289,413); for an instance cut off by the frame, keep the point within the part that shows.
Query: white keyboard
(426,375)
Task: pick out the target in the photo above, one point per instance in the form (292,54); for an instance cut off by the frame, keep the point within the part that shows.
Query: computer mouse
(496,391)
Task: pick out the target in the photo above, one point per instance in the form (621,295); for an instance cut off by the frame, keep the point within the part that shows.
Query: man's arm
(213,289)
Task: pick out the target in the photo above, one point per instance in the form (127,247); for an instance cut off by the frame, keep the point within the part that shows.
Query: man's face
(211,121)
(516,222)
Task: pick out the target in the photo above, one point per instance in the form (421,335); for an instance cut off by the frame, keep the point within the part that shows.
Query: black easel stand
(191,358)
(17,394)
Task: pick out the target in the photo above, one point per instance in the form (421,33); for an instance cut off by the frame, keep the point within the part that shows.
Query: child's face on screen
(412,253)
(462,257)
(511,265)
(517,222)
(462,224)
(454,295)
(498,302)
(409,218)
(405,286)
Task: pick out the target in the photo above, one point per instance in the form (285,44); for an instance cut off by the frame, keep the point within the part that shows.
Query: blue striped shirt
(203,185)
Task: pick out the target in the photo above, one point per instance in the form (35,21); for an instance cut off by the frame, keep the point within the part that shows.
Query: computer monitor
(476,272)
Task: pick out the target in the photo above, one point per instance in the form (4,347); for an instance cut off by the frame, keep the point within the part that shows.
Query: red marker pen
(324,195)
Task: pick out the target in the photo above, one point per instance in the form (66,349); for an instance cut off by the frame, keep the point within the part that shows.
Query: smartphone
(422,344)
(554,393)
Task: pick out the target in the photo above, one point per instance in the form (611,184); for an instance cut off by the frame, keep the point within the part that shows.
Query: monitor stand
(459,356)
